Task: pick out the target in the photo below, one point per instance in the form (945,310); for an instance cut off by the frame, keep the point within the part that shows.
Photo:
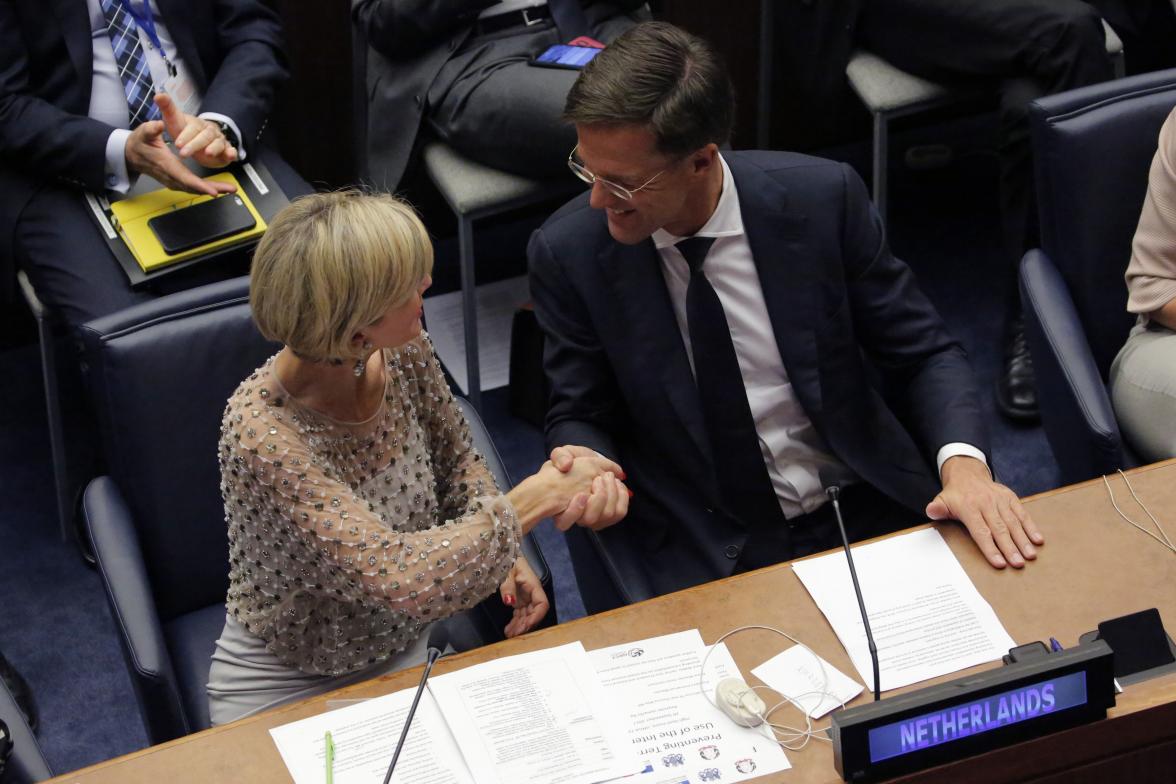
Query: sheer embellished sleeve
(300,509)
(462,475)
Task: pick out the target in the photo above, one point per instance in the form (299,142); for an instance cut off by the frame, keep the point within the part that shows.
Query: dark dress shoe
(1016,395)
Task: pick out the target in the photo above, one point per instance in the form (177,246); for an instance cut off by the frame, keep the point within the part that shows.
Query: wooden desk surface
(1093,566)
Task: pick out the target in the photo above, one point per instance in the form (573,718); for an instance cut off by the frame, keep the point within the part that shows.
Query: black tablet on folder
(202,223)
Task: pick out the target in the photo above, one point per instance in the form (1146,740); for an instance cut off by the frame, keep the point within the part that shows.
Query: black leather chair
(161,373)
(1092,148)
(26,763)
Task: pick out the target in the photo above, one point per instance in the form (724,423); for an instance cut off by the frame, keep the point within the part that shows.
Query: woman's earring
(361,363)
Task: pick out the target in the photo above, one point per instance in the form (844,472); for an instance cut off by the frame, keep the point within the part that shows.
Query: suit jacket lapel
(775,227)
(640,288)
(74,19)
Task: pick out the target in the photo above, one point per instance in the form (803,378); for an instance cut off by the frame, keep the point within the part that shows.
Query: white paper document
(497,303)
(813,683)
(535,718)
(365,736)
(673,734)
(927,617)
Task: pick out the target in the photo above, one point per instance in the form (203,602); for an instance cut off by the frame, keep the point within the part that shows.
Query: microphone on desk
(438,641)
(834,493)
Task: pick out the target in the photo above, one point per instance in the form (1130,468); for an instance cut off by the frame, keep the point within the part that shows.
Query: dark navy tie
(744,483)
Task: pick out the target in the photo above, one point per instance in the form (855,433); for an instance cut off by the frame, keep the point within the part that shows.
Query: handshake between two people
(582,487)
(193,137)
(597,495)
(576,486)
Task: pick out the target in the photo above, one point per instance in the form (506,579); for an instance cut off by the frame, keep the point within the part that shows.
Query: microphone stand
(433,656)
(834,493)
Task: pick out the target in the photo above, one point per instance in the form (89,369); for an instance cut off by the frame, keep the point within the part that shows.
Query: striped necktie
(132,63)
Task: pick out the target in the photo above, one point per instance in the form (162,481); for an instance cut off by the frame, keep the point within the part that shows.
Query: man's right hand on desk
(147,153)
(608,502)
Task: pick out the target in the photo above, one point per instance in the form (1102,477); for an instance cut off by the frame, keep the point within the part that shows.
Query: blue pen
(1054,645)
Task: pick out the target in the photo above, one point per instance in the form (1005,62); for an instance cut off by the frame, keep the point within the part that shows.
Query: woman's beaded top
(345,539)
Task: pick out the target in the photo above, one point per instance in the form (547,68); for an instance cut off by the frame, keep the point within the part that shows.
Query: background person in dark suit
(76,114)
(1026,48)
(734,374)
(461,66)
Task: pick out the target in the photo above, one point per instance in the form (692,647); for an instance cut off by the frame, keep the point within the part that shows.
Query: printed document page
(674,734)
(496,304)
(535,718)
(927,617)
(365,735)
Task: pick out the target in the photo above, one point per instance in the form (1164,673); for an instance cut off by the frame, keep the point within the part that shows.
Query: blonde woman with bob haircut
(358,510)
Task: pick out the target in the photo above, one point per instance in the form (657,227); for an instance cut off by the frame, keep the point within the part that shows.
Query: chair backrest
(160,375)
(1092,148)
(27,763)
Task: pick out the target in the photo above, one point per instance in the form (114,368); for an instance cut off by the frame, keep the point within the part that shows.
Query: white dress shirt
(108,101)
(795,454)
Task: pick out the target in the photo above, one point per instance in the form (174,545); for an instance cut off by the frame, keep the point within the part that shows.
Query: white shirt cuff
(958,449)
(229,122)
(118,178)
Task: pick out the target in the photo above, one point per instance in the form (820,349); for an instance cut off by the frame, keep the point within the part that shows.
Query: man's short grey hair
(662,77)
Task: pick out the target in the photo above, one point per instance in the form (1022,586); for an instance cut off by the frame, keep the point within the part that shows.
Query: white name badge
(183,91)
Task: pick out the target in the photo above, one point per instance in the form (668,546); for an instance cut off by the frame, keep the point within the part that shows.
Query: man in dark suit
(461,66)
(78,113)
(733,331)
(1024,48)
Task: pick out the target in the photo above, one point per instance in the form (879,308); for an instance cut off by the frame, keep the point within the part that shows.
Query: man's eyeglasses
(620,191)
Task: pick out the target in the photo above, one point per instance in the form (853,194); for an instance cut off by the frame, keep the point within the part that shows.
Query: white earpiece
(737,700)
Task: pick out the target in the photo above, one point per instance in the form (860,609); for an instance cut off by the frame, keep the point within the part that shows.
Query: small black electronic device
(202,223)
(974,714)
(1143,650)
(565,56)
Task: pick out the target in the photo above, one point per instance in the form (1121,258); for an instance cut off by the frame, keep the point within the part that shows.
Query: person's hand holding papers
(993,515)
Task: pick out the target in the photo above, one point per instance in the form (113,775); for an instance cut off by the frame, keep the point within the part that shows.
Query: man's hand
(608,502)
(993,515)
(195,137)
(147,153)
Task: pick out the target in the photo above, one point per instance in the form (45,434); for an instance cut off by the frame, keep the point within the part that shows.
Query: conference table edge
(1148,716)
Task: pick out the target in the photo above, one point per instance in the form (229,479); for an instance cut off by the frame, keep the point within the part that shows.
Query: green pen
(330,758)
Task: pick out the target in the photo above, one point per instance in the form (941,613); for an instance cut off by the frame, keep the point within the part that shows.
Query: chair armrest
(1075,408)
(630,581)
(485,445)
(128,587)
(497,614)
(27,763)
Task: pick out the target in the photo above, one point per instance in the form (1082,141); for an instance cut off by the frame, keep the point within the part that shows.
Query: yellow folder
(131,216)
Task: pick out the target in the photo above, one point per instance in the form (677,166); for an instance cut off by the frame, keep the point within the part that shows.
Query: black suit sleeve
(37,137)
(585,403)
(253,65)
(928,374)
(402,29)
